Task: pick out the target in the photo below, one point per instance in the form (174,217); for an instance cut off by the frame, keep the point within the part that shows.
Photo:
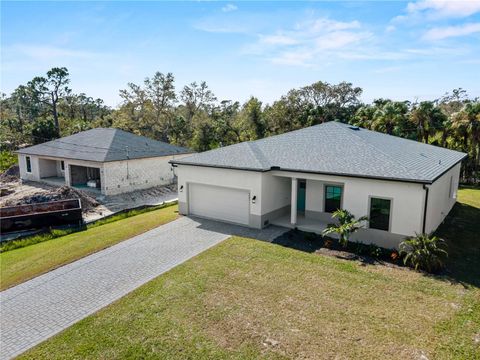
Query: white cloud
(438,9)
(390,28)
(311,40)
(324,24)
(278,40)
(445,8)
(440,33)
(229,8)
(298,58)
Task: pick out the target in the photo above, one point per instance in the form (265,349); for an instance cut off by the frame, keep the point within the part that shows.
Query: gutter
(426,188)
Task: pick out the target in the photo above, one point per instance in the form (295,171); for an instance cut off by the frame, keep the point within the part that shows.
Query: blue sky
(400,50)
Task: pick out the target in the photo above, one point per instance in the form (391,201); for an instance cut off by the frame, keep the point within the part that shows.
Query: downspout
(426,188)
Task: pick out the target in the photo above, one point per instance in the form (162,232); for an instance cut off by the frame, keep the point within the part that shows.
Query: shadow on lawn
(461,231)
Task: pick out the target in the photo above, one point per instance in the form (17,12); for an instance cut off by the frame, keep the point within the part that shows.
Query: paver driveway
(39,308)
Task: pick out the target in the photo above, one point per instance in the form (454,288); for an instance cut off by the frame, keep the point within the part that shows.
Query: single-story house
(298,179)
(112,161)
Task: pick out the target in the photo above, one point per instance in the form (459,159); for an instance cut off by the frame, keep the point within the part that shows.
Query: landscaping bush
(423,252)
(347,225)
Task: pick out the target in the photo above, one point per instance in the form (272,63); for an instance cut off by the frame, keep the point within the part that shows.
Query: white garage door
(222,203)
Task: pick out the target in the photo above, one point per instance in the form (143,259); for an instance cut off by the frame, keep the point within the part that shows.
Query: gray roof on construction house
(337,149)
(103,145)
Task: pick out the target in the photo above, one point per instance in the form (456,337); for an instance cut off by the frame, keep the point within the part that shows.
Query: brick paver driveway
(39,308)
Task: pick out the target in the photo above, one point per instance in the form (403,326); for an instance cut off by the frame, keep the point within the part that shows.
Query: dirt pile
(55,194)
(10,175)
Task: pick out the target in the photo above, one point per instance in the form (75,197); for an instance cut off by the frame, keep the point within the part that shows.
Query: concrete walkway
(39,308)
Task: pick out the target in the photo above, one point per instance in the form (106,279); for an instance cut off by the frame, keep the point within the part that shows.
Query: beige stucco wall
(442,195)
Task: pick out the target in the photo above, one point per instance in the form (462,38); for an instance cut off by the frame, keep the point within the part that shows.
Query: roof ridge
(395,161)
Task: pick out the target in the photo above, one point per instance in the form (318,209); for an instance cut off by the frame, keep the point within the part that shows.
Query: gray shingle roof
(104,145)
(335,148)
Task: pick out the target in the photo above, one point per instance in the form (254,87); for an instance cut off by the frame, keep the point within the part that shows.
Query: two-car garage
(220,203)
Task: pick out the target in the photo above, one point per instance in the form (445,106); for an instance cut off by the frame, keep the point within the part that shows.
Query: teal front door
(301,193)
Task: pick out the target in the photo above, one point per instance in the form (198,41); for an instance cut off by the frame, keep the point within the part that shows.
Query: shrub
(7,159)
(423,252)
(347,225)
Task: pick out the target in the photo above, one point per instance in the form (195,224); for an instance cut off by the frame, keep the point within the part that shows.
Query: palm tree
(428,118)
(423,252)
(389,116)
(347,225)
(466,125)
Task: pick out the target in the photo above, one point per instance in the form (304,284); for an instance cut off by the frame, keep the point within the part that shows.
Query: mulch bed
(313,243)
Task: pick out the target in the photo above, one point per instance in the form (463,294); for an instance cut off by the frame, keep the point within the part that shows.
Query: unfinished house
(106,161)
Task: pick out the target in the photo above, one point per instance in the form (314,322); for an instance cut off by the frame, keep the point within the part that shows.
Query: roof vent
(352,127)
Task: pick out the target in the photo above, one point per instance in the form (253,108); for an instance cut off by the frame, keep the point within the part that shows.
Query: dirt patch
(53,194)
(10,175)
(152,196)
(14,192)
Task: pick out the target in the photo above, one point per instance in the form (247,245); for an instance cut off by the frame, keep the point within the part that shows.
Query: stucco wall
(238,179)
(125,176)
(407,198)
(441,198)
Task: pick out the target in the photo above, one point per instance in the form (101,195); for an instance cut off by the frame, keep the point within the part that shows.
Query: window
(62,165)
(333,198)
(380,214)
(29,164)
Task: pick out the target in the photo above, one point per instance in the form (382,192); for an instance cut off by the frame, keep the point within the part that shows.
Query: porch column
(66,174)
(293,205)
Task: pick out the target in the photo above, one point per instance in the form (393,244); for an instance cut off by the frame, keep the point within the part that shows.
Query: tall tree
(50,90)
(197,97)
(160,90)
(389,117)
(428,118)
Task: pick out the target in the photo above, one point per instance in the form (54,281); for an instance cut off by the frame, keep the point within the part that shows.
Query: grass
(19,265)
(249,299)
(56,233)
(461,230)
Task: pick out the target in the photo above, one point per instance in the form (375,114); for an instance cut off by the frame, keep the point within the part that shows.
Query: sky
(415,50)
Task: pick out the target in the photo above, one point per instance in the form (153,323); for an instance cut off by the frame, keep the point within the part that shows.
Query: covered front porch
(303,223)
(310,204)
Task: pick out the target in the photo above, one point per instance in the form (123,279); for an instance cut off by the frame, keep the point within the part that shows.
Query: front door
(301,193)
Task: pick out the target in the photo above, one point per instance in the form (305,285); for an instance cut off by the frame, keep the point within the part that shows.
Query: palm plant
(423,252)
(346,226)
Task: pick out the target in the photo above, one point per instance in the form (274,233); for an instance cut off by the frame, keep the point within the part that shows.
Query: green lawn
(247,299)
(22,264)
(461,230)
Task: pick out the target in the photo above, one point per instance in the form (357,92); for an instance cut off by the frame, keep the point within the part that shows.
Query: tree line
(46,108)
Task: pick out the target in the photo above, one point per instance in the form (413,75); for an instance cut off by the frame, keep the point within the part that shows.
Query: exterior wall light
(254,198)
(181,188)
